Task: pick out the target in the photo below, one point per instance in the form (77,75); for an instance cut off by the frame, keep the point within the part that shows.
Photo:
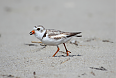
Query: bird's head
(37,30)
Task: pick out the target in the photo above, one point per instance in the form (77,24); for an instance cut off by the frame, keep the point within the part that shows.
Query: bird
(53,37)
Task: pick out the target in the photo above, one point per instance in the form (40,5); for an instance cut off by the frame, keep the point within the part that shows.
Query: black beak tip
(30,33)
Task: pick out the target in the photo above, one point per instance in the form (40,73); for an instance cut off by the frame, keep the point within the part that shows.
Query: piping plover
(53,37)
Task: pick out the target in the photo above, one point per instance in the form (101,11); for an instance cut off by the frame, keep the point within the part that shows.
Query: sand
(93,57)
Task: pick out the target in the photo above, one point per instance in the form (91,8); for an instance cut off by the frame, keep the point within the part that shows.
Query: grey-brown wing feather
(57,34)
(54,32)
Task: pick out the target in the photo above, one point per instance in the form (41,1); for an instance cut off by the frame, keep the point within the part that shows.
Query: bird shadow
(67,56)
(35,44)
(38,49)
(44,46)
(31,44)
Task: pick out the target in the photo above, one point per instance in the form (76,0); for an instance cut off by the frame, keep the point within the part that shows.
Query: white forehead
(39,26)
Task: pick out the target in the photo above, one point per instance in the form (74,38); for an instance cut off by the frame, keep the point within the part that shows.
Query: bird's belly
(54,42)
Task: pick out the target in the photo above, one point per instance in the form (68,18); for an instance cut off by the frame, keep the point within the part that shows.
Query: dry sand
(93,57)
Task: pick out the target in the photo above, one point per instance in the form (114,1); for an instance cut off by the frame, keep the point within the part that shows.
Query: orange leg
(56,51)
(66,50)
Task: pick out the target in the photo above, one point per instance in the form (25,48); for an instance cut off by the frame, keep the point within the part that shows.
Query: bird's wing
(57,34)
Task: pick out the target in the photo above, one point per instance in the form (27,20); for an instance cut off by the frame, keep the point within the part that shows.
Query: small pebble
(10,76)
(93,73)
(107,41)
(74,42)
(34,73)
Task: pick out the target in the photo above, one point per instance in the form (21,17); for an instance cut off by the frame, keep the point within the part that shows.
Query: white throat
(39,35)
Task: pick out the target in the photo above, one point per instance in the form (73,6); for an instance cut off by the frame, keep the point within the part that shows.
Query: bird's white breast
(54,42)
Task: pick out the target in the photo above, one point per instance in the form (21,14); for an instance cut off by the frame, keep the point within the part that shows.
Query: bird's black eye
(38,29)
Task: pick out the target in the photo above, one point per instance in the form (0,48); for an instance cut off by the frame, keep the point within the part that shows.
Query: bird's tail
(78,35)
(74,34)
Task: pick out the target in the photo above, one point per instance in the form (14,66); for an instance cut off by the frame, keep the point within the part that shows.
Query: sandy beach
(94,55)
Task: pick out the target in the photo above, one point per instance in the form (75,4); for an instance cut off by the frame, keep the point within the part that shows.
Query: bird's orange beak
(32,32)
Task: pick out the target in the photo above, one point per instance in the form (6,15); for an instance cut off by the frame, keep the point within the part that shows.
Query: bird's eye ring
(38,29)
